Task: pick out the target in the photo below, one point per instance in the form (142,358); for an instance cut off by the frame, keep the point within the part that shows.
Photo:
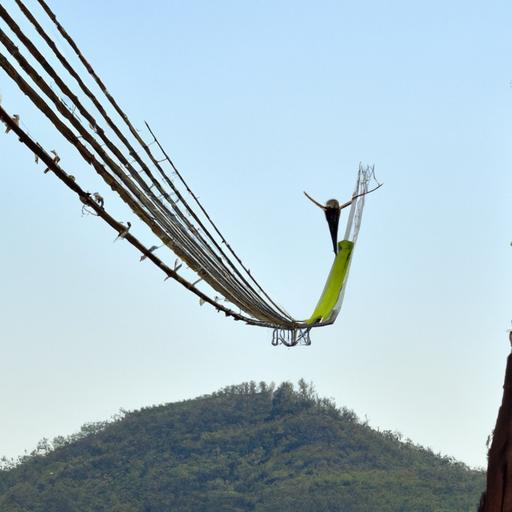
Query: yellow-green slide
(334,284)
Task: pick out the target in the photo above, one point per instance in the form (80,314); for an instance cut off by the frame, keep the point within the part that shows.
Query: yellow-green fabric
(334,284)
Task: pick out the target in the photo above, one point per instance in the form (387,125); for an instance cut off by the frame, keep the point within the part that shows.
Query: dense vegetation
(245,448)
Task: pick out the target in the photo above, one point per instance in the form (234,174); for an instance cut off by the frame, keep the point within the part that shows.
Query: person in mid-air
(332,210)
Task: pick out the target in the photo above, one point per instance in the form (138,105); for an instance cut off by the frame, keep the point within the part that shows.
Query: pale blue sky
(258,101)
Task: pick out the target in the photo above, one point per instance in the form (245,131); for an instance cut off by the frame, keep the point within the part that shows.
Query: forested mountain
(245,448)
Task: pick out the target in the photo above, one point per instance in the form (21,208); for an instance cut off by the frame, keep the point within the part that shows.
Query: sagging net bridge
(145,178)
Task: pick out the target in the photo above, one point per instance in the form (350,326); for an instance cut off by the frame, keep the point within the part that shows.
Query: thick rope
(135,133)
(196,260)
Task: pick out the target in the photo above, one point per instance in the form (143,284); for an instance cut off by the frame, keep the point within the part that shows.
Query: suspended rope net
(146,179)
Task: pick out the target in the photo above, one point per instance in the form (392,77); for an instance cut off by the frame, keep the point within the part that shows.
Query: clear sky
(258,101)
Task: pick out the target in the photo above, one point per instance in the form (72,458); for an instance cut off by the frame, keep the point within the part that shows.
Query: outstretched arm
(313,201)
(344,205)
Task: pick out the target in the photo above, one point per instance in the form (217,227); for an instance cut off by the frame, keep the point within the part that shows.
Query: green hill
(245,448)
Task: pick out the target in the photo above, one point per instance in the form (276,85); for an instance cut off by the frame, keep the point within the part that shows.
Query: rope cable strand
(101,212)
(135,133)
(254,295)
(199,262)
(132,196)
